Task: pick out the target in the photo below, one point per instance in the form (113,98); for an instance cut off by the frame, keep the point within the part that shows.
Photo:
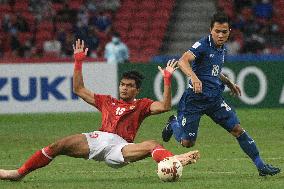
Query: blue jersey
(207,66)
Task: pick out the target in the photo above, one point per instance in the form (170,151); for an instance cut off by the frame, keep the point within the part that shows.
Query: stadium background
(35,79)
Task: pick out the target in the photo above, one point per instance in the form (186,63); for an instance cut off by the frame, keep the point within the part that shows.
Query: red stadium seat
(24,36)
(142,15)
(44,35)
(166,4)
(140,25)
(45,25)
(28,16)
(76,4)
(121,26)
(57,6)
(65,25)
(150,51)
(136,34)
(5,8)
(130,4)
(22,5)
(148,5)
(133,44)
(123,15)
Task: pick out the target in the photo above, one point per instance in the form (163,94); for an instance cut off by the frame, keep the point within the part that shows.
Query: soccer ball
(169,169)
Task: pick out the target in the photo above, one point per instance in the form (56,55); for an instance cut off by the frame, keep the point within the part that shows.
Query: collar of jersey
(212,44)
(122,101)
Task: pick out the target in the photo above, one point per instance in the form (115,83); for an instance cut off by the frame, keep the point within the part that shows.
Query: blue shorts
(191,110)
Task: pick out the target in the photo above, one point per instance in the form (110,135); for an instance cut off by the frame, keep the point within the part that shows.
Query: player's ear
(138,91)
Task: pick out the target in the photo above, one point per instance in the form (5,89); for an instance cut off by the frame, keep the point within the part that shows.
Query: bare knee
(56,148)
(187,143)
(237,131)
(150,144)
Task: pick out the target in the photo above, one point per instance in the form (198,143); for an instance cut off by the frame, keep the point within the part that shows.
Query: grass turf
(222,163)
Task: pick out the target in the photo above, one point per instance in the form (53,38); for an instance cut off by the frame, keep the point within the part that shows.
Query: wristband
(79,57)
(167,78)
(78,66)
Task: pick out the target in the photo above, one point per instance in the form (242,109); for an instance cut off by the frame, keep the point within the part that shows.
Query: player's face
(220,33)
(127,89)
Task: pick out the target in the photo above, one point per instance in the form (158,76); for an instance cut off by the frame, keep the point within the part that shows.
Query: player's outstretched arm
(235,89)
(166,104)
(78,83)
(185,66)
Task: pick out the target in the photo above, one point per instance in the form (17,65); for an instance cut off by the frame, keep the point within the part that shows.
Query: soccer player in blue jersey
(203,63)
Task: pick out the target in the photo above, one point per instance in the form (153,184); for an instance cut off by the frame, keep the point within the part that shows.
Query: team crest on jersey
(131,107)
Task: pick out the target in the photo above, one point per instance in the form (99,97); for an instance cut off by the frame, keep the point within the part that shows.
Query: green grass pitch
(222,163)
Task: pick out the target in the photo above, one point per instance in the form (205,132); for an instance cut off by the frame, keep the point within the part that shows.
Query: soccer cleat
(188,158)
(11,175)
(268,170)
(168,131)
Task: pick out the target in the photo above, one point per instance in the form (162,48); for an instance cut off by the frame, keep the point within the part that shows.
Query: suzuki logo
(45,86)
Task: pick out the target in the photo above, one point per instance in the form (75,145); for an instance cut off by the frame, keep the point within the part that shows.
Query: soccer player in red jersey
(121,119)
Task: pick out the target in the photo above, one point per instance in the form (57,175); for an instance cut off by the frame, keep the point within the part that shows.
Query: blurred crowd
(48,28)
(36,28)
(257,26)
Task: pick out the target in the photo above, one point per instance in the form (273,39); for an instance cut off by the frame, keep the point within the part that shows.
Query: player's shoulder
(103,97)
(204,41)
(109,45)
(201,44)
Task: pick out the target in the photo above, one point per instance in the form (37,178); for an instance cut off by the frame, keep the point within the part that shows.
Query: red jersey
(120,117)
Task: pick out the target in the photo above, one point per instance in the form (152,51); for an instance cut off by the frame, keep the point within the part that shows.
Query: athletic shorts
(219,111)
(106,147)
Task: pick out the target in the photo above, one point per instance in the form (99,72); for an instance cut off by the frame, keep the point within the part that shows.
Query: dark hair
(116,34)
(220,17)
(138,77)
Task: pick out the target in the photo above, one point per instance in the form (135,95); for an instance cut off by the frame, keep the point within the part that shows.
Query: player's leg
(135,152)
(172,125)
(248,145)
(73,146)
(184,128)
(225,116)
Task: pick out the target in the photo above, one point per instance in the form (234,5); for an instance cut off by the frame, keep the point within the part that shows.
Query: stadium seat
(65,25)
(24,36)
(150,51)
(136,34)
(133,44)
(5,9)
(45,25)
(76,4)
(121,26)
(22,5)
(148,5)
(166,4)
(140,25)
(57,6)
(43,35)
(130,4)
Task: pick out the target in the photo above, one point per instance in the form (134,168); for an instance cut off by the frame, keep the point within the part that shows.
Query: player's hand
(235,89)
(79,52)
(171,67)
(196,84)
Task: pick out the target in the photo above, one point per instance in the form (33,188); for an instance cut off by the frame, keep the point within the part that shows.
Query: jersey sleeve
(99,99)
(197,49)
(145,106)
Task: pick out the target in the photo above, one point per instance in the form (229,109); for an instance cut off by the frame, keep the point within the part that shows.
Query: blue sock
(177,129)
(249,147)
